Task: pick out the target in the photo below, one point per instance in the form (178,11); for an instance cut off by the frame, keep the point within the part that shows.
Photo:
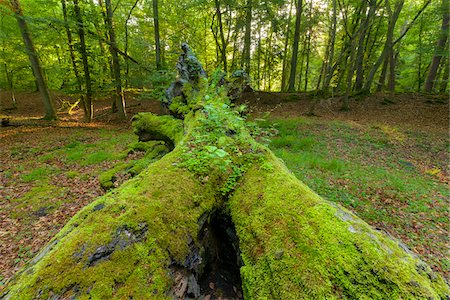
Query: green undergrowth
(382,173)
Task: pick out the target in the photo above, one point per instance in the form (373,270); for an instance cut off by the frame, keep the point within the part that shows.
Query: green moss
(159,127)
(296,245)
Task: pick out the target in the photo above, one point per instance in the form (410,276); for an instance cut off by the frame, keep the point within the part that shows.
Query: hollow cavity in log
(211,271)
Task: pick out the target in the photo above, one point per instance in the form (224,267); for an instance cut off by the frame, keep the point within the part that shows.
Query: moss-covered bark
(132,242)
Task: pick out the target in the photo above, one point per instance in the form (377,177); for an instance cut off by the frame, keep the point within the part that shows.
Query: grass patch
(40,173)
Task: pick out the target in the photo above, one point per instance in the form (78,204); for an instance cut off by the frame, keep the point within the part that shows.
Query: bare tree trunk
(223,44)
(73,59)
(392,64)
(419,63)
(127,69)
(294,58)
(440,46)
(332,39)
(259,59)
(84,56)
(446,71)
(50,112)
(308,45)
(10,80)
(119,98)
(359,81)
(245,61)
(286,45)
(157,40)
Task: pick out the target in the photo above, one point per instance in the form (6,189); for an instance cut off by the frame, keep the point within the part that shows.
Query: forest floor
(386,159)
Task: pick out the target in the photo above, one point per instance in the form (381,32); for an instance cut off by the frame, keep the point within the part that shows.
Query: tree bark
(332,39)
(127,68)
(50,112)
(150,239)
(440,47)
(118,96)
(286,48)
(359,63)
(84,56)
(298,15)
(245,62)
(157,39)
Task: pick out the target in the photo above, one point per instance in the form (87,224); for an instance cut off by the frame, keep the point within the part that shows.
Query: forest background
(335,47)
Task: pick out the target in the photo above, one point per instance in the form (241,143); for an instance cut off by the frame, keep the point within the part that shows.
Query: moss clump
(152,127)
(295,245)
(153,151)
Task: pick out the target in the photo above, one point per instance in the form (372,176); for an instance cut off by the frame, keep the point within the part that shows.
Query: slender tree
(245,61)
(294,58)
(440,46)
(127,61)
(118,96)
(157,40)
(89,112)
(50,112)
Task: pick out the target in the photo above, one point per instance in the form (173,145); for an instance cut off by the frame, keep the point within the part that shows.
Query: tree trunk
(440,47)
(332,39)
(219,205)
(444,81)
(157,41)
(76,72)
(359,64)
(419,62)
(384,53)
(127,63)
(223,44)
(245,62)
(298,15)
(50,112)
(10,81)
(118,96)
(286,45)
(84,56)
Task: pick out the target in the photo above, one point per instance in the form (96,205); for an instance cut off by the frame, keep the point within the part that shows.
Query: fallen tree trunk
(220,215)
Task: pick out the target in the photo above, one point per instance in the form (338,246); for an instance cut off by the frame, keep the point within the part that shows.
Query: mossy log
(152,238)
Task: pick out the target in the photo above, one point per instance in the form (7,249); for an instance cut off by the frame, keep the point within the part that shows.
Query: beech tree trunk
(245,62)
(157,40)
(440,47)
(41,83)
(127,62)
(89,113)
(158,236)
(118,96)
(293,73)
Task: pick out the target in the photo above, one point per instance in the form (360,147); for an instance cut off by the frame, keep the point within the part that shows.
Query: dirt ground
(416,111)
